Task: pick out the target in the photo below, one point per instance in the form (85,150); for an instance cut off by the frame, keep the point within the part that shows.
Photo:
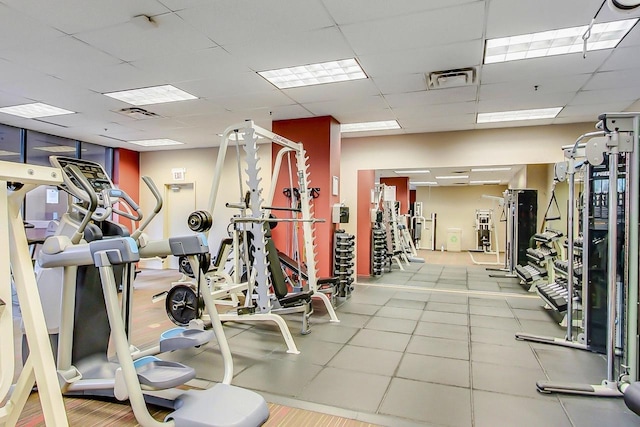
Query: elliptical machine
(90,279)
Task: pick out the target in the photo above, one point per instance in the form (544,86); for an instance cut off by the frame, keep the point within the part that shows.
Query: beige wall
(455,207)
(200,166)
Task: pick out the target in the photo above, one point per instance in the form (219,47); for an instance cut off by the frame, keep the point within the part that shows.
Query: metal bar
(612,264)
(586,195)
(570,249)
(633,190)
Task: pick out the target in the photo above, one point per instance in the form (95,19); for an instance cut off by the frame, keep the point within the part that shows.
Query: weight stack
(379,258)
(343,262)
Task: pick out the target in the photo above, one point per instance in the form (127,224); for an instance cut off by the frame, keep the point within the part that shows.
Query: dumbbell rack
(379,257)
(343,262)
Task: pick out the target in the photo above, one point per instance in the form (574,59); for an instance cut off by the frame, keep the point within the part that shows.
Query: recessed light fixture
(56,149)
(413,171)
(362,127)
(490,169)
(151,95)
(5,153)
(423,183)
(314,74)
(507,116)
(35,110)
(495,181)
(453,177)
(605,35)
(155,142)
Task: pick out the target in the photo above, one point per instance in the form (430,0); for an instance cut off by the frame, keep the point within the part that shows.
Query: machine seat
(295,298)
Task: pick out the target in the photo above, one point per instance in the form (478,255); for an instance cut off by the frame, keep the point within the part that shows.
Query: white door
(179,203)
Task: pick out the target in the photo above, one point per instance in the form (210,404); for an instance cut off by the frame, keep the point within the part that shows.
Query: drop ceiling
(68,52)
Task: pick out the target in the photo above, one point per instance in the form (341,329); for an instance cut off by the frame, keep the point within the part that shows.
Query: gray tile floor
(433,345)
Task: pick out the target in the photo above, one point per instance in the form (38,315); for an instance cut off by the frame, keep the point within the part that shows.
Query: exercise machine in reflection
(90,290)
(610,235)
(485,228)
(521,207)
(16,269)
(423,228)
(252,249)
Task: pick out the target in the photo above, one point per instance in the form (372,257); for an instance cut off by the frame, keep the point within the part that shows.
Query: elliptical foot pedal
(221,406)
(180,338)
(161,374)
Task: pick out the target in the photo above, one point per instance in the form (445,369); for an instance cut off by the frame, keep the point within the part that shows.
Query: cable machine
(610,234)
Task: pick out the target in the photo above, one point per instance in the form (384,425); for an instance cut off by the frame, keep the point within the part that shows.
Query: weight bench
(325,284)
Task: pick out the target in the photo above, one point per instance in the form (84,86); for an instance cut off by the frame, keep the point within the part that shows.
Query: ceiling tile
(539,68)
(130,42)
(442,110)
(514,17)
(308,47)
(348,12)
(417,30)
(614,80)
(238,84)
(423,60)
(528,87)
(610,95)
(593,109)
(116,77)
(328,108)
(186,108)
(401,83)
(242,21)
(18,30)
(193,65)
(631,39)
(82,15)
(331,91)
(57,56)
(622,58)
(381,114)
(432,97)
(536,100)
(251,101)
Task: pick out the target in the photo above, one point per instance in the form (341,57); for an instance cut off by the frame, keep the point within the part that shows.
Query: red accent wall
(320,137)
(402,191)
(126,174)
(412,196)
(366,183)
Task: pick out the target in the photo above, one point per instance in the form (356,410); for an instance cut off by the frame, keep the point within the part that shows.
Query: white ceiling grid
(68,52)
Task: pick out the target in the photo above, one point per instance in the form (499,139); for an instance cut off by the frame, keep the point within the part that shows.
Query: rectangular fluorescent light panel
(453,177)
(423,183)
(412,171)
(151,95)
(507,116)
(314,74)
(497,181)
(35,110)
(155,142)
(368,126)
(56,149)
(490,169)
(5,153)
(605,35)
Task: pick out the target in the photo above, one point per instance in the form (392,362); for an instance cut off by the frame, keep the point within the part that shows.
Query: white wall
(200,166)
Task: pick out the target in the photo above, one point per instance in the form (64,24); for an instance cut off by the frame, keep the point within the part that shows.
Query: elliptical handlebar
(158,196)
(91,198)
(122,195)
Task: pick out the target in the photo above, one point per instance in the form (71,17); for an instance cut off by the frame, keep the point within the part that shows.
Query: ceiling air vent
(137,113)
(451,78)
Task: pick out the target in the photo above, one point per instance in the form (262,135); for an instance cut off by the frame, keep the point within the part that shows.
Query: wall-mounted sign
(178,174)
